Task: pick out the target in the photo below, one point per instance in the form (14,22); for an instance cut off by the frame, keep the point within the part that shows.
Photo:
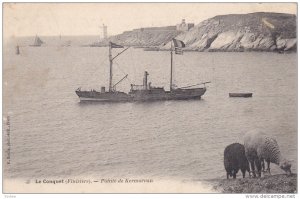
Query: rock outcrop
(243,32)
(143,37)
(235,32)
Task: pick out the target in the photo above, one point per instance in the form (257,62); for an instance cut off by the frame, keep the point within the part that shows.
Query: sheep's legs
(253,168)
(243,172)
(268,165)
(258,165)
(263,165)
(234,175)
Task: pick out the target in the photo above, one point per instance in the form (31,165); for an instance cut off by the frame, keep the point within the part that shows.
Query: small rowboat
(240,94)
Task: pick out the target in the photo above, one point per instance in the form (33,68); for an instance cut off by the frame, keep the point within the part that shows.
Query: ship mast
(112,45)
(171,76)
(110,68)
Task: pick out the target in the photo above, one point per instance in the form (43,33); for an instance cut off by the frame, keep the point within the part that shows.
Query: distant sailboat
(66,44)
(17,49)
(37,42)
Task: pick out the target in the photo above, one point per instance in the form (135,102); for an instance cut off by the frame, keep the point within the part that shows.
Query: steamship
(144,92)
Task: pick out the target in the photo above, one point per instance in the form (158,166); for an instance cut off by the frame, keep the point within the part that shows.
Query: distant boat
(66,44)
(37,42)
(97,44)
(17,49)
(240,94)
(151,48)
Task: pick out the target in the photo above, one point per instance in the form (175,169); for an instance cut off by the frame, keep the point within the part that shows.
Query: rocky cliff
(236,32)
(243,32)
(143,37)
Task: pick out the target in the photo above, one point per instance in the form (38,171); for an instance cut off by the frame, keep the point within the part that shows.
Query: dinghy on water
(240,94)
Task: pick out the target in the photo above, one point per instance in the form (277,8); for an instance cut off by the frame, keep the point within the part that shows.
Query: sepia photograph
(155,97)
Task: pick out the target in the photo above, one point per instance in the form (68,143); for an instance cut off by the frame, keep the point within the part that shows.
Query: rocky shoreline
(262,31)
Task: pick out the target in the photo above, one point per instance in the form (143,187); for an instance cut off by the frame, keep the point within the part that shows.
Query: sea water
(52,135)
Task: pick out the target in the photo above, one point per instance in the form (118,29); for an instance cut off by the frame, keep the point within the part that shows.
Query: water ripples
(53,135)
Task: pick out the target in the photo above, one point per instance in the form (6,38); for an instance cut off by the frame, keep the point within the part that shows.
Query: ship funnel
(145,82)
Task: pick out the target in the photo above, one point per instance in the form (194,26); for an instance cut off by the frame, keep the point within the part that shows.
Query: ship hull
(103,97)
(142,95)
(240,94)
(186,94)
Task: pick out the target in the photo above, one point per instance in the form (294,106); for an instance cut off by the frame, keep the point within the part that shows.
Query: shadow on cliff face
(243,32)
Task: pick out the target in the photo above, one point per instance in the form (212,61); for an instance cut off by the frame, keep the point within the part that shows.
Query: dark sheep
(235,159)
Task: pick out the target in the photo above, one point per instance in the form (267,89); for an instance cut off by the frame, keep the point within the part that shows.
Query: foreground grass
(269,184)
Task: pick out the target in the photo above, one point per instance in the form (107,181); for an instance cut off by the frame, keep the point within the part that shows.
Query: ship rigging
(145,92)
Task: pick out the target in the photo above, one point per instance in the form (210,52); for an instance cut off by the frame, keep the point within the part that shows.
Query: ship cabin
(146,88)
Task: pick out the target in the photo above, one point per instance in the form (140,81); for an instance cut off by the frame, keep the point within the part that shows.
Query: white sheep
(259,148)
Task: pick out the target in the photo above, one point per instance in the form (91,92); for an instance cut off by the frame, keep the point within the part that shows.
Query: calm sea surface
(53,135)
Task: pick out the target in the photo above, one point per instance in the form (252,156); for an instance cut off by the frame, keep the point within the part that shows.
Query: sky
(46,19)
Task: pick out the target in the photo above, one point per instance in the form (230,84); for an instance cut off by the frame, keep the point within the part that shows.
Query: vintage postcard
(149,98)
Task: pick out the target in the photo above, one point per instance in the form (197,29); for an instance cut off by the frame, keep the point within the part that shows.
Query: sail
(178,43)
(178,46)
(37,41)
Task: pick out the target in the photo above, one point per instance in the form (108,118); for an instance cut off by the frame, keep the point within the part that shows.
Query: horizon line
(94,35)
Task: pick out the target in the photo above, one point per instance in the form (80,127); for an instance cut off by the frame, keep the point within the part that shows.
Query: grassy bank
(269,184)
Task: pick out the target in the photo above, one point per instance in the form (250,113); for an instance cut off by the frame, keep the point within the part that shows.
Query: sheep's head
(286,166)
